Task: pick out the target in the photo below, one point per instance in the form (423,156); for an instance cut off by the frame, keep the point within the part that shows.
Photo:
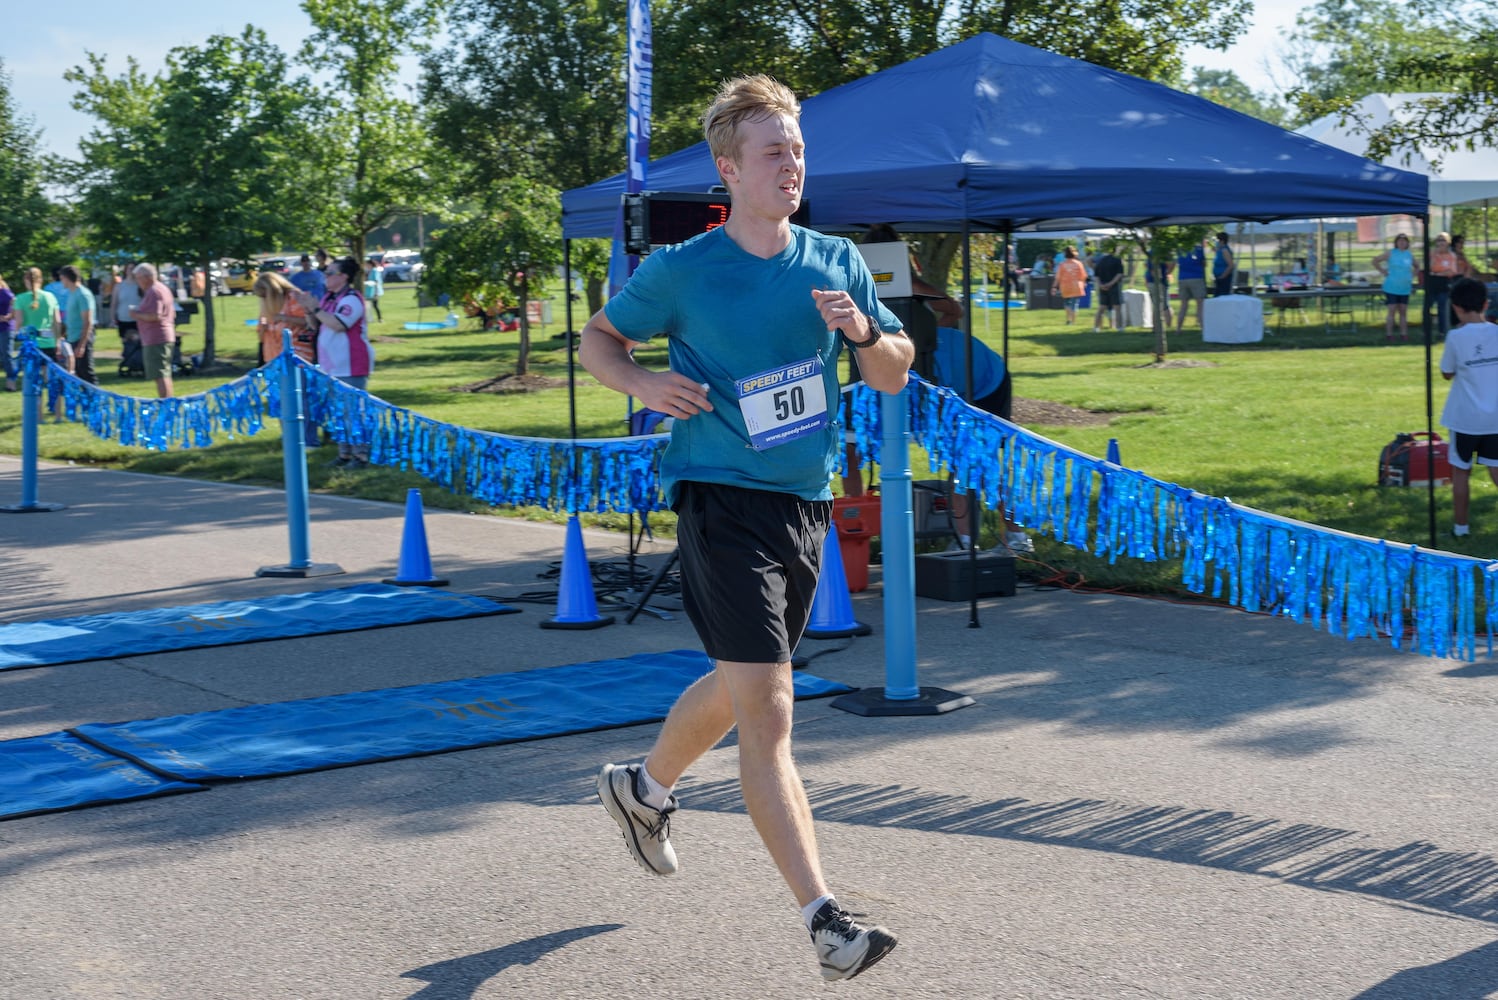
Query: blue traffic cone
(576,606)
(1113,452)
(832,607)
(415,567)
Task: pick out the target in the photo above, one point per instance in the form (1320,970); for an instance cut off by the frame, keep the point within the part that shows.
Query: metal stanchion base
(311,569)
(32,508)
(872,702)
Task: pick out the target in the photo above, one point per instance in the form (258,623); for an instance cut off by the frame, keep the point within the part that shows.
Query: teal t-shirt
(1401,277)
(80,304)
(731,316)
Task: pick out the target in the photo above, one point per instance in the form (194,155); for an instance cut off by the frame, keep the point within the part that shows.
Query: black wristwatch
(874,334)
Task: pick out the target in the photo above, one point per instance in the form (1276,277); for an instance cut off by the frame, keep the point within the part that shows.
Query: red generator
(1414,459)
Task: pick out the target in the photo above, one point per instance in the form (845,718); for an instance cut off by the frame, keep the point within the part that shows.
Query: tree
(190,166)
(571,132)
(1161,244)
(1342,50)
(1223,86)
(507,252)
(372,147)
(28,215)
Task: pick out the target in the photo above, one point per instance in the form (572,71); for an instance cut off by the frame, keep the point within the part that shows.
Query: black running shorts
(1465,448)
(749,563)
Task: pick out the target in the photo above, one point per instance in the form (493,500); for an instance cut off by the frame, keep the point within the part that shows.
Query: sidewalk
(1149,800)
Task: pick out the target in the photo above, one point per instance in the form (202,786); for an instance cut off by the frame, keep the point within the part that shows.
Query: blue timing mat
(257,741)
(276,616)
(55,772)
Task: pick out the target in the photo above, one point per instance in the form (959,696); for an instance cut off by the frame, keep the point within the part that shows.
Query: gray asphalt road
(1149,800)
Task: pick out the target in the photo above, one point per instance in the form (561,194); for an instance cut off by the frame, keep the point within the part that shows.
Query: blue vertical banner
(638,73)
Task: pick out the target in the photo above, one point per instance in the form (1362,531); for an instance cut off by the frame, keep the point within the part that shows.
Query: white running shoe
(844,946)
(647,831)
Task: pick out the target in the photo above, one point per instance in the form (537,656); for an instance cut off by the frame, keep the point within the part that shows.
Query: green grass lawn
(1293,425)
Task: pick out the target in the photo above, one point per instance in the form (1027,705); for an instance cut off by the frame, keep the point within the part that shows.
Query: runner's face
(767,179)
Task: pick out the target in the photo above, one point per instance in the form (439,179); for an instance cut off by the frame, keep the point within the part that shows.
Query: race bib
(783,404)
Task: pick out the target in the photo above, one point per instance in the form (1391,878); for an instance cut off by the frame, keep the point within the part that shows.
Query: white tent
(1465,177)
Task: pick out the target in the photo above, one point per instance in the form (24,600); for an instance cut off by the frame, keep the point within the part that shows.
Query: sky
(37,46)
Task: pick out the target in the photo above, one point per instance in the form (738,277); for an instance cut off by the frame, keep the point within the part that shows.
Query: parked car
(402,267)
(276,265)
(241,279)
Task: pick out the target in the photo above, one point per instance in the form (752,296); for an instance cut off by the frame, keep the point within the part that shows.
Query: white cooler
(1233,319)
(1138,309)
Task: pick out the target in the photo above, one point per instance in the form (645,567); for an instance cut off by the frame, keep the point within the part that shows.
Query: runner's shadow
(459,978)
(1472,975)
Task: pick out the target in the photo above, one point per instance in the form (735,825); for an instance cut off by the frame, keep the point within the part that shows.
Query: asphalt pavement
(1148,799)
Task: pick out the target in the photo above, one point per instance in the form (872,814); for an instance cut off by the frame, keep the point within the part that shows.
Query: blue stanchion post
(31,400)
(902,693)
(294,464)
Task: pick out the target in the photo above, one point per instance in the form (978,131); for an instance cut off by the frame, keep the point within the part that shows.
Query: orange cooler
(856,520)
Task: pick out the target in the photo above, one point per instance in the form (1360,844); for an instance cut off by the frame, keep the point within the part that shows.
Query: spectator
(1444,269)
(993,392)
(105,317)
(57,288)
(156,324)
(1191,279)
(1070,282)
(1464,267)
(125,298)
(1109,271)
(280,312)
(78,324)
(37,308)
(7,328)
(1222,267)
(314,283)
(1471,411)
(1398,268)
(374,286)
(343,348)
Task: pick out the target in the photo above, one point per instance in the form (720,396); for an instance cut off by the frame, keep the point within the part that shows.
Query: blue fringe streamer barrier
(1421,600)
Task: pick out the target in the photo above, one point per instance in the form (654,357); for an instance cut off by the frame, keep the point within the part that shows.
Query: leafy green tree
(27,234)
(1342,50)
(189,166)
(372,149)
(1161,244)
(1223,86)
(506,252)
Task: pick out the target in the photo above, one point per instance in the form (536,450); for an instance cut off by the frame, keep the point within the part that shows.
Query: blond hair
(273,290)
(744,99)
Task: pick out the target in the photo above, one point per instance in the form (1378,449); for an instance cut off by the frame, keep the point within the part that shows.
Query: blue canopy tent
(992,134)
(999,135)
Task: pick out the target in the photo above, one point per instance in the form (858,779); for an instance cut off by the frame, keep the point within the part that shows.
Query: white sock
(810,909)
(655,793)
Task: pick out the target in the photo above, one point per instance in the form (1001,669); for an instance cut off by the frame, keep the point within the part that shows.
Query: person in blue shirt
(755,314)
(57,288)
(1191,280)
(1397,265)
(309,280)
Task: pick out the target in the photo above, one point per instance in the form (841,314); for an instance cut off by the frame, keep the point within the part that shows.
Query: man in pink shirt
(156,323)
